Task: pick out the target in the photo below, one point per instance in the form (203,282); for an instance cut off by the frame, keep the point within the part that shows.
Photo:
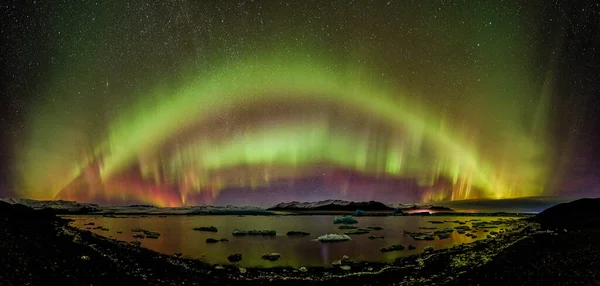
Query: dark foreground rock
(582,213)
(39,248)
(571,258)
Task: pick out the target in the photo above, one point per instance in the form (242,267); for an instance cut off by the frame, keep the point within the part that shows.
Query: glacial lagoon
(177,235)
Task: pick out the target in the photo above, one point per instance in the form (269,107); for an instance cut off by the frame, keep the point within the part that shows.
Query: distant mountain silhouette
(582,213)
(332,205)
(426,208)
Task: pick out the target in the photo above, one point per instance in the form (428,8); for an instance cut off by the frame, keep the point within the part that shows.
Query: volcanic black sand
(38,248)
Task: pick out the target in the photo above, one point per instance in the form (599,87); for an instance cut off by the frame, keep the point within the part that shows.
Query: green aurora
(182,110)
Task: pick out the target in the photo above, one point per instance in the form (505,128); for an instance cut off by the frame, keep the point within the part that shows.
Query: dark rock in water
(428,248)
(375,237)
(423,237)
(359,213)
(119,232)
(137,230)
(104,229)
(211,240)
(234,257)
(271,256)
(138,235)
(405,232)
(347,227)
(90,223)
(395,247)
(444,231)
(579,214)
(136,243)
(485,226)
(264,232)
(436,221)
(151,234)
(411,247)
(358,231)
(344,220)
(493,232)
(375,227)
(224,239)
(443,235)
(297,233)
(207,228)
(346,260)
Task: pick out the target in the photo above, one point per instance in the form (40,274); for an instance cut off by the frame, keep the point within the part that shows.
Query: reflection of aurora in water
(176,235)
(189,131)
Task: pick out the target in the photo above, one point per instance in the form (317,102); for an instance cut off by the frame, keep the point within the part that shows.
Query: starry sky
(254,102)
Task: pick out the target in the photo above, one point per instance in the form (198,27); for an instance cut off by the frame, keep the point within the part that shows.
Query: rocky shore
(39,248)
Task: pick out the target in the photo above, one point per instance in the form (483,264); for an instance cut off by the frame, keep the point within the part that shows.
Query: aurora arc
(152,123)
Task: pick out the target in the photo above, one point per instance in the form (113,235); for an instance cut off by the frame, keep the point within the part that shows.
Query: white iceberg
(333,237)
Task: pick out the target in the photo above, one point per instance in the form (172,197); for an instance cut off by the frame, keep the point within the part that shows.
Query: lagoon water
(178,236)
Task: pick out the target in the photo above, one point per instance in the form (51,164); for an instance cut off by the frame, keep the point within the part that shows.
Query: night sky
(254,102)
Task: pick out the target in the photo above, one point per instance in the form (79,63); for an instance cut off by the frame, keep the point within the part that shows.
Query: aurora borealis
(203,102)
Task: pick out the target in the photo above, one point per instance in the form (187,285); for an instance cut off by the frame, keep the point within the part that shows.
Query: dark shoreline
(74,208)
(41,247)
(300,213)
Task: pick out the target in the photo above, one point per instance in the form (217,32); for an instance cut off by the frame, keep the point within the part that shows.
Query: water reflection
(177,235)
